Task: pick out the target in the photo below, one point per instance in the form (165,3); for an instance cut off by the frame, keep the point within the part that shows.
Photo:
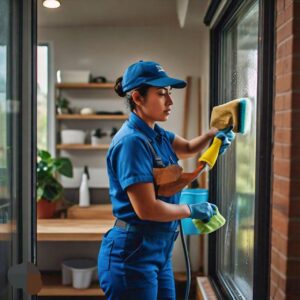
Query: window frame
(261,273)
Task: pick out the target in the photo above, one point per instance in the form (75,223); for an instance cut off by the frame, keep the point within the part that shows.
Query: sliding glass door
(236,184)
(17,151)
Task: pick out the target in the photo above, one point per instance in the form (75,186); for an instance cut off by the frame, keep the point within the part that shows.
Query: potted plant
(49,190)
(62,105)
(97,136)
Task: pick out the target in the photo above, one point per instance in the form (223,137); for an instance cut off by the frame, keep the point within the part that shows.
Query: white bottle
(84,193)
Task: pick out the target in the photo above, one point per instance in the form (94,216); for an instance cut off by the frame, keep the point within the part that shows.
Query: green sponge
(212,225)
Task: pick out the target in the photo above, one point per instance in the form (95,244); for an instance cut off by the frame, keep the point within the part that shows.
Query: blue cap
(148,73)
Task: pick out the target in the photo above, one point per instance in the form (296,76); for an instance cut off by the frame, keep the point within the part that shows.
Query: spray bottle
(84,193)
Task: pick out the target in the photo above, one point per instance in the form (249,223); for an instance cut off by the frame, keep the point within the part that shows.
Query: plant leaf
(64,166)
(44,155)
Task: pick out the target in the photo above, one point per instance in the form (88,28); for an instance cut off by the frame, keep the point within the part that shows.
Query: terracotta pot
(45,209)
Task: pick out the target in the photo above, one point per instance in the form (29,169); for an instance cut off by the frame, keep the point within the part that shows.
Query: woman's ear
(137,98)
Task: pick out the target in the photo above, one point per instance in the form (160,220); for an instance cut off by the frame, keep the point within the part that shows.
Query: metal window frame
(261,276)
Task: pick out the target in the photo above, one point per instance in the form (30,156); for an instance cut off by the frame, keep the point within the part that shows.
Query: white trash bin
(79,272)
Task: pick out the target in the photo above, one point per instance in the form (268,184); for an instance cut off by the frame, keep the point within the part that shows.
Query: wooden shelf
(52,286)
(90,117)
(81,147)
(72,229)
(106,85)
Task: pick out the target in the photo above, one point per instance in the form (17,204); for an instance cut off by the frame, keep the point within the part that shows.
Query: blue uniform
(137,264)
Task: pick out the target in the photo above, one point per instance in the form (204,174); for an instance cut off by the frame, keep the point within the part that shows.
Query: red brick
(280,5)
(282,167)
(281,203)
(283,83)
(285,48)
(284,65)
(284,32)
(282,151)
(283,135)
(278,278)
(279,222)
(283,119)
(279,242)
(281,186)
(280,19)
(283,102)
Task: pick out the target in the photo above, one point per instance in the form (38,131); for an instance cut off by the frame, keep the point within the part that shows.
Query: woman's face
(156,105)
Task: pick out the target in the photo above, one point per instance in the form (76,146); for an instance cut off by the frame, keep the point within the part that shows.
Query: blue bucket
(192,196)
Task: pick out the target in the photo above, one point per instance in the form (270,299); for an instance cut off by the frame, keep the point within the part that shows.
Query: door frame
(261,276)
(28,128)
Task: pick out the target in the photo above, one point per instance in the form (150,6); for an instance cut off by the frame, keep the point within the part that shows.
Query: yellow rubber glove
(211,154)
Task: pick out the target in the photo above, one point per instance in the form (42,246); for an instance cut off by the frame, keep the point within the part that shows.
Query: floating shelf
(106,85)
(90,117)
(52,286)
(81,147)
(72,229)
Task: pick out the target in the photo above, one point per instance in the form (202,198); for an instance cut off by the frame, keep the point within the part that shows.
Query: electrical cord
(187,263)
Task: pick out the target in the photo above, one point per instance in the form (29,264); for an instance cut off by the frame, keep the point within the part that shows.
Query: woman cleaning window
(134,260)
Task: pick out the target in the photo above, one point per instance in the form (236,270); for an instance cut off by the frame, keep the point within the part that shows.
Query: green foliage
(62,102)
(47,186)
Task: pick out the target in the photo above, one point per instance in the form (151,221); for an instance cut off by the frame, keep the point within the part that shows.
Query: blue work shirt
(130,160)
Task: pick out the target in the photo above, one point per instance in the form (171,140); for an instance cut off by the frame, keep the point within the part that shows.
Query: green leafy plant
(48,187)
(62,103)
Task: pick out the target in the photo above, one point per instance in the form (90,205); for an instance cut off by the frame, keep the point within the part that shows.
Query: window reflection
(236,171)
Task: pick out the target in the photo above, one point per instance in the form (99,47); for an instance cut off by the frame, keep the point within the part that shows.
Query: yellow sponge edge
(211,154)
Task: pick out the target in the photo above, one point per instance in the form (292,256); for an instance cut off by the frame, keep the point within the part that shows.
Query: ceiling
(153,13)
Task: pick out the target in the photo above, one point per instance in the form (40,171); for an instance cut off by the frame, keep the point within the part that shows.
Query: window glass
(42,97)
(236,169)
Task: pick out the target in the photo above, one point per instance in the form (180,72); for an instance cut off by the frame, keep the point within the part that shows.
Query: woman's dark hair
(118,89)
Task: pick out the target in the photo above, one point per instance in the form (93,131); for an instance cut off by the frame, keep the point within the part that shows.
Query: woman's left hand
(227,136)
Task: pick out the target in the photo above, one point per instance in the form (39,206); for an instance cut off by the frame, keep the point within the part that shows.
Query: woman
(134,260)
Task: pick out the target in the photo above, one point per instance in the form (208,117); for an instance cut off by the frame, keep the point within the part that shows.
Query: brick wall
(285,248)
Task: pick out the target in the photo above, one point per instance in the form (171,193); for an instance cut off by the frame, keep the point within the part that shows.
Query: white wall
(108,51)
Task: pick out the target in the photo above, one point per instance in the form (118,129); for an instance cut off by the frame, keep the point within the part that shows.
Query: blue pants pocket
(104,254)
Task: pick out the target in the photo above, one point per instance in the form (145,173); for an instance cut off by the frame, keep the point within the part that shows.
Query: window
(240,182)
(42,97)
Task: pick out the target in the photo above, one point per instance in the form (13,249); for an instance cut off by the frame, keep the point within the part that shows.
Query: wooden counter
(72,229)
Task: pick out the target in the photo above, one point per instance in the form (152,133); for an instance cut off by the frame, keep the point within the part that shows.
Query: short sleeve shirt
(130,160)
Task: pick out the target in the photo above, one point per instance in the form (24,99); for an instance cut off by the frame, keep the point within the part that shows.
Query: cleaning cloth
(215,222)
(222,116)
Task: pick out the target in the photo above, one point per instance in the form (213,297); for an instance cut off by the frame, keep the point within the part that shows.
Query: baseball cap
(148,73)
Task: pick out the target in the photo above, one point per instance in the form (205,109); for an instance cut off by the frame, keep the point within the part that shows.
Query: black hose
(187,263)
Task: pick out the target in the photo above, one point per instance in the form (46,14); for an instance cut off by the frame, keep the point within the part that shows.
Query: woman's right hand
(212,132)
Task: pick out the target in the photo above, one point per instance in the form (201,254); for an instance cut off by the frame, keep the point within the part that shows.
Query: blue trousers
(137,265)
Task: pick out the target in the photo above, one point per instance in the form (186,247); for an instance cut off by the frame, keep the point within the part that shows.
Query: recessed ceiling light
(51,3)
